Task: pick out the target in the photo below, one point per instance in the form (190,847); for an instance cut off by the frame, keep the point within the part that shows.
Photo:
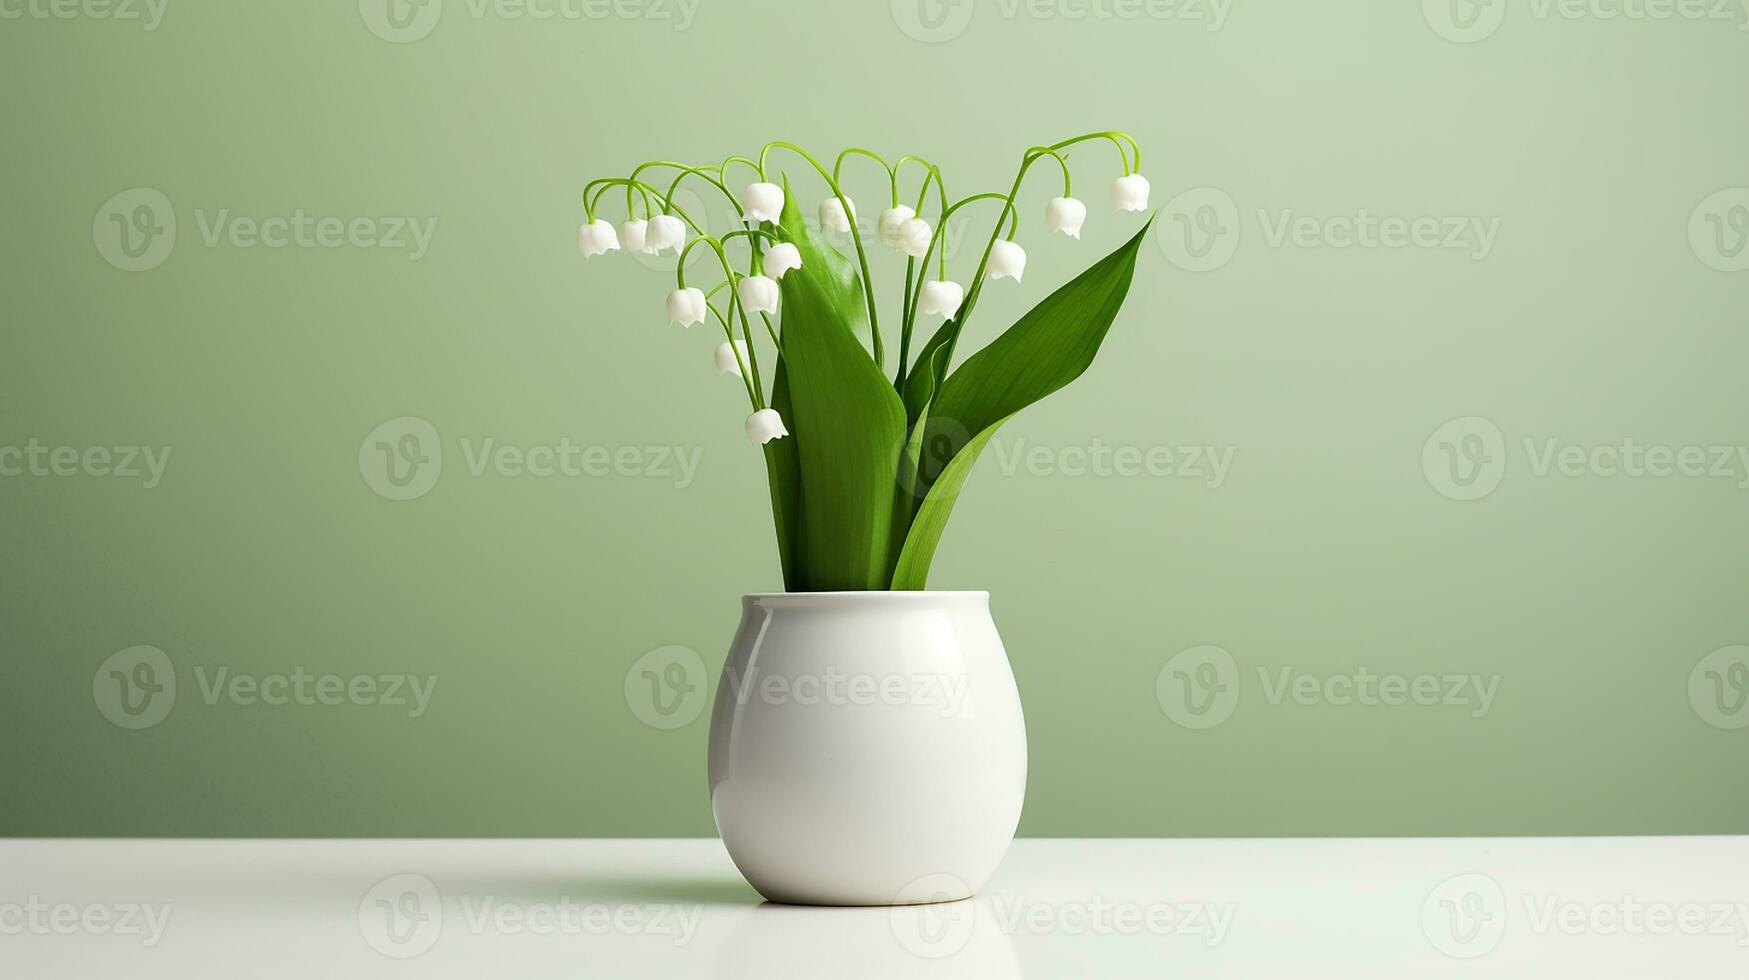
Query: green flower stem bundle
(864,469)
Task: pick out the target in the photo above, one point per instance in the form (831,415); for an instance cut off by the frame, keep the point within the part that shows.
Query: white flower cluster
(898,227)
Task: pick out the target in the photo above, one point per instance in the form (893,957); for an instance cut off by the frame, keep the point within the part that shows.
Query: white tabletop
(1546,908)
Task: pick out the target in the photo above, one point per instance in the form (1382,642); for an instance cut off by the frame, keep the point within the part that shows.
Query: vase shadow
(628,889)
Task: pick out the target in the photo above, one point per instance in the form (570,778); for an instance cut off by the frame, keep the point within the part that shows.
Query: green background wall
(1604,299)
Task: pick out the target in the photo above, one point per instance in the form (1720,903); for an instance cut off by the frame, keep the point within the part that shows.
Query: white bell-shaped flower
(941,298)
(1065,214)
(597,237)
(834,216)
(1007,261)
(665,231)
(914,236)
(686,306)
(634,235)
(781,258)
(1130,193)
(890,221)
(762,202)
(764,426)
(758,294)
(729,357)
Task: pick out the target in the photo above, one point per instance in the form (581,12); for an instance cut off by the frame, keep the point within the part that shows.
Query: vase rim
(870,597)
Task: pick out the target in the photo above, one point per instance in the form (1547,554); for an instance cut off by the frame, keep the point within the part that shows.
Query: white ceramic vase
(867,748)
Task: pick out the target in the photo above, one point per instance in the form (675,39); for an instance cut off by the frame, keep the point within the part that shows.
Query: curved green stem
(874,328)
(1068,186)
(667,203)
(941,192)
(752,233)
(1010,212)
(892,174)
(723,171)
(752,367)
(907,299)
(605,183)
(704,173)
(977,284)
(740,362)
(940,234)
(929,170)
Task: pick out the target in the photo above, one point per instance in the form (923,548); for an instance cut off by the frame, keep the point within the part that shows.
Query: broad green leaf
(1043,351)
(921,383)
(848,422)
(920,387)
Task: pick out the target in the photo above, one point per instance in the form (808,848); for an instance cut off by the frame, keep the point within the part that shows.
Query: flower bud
(764,426)
(597,237)
(729,357)
(1130,193)
(781,258)
(1007,261)
(942,298)
(890,221)
(833,215)
(914,235)
(1065,214)
(665,231)
(762,202)
(633,235)
(686,306)
(758,294)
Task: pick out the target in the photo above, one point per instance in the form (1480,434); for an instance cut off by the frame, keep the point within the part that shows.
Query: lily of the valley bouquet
(865,467)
